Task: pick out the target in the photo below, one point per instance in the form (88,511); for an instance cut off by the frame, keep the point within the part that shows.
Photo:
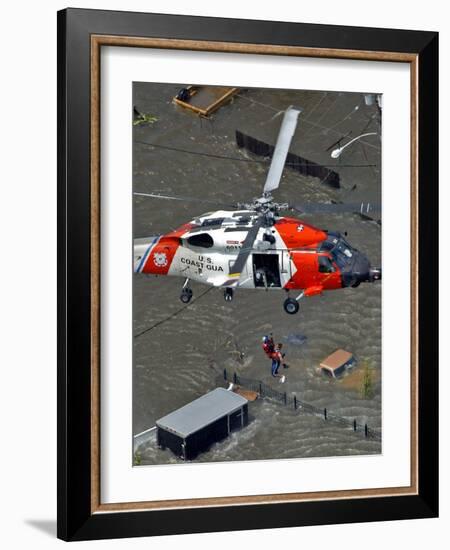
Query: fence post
(267,391)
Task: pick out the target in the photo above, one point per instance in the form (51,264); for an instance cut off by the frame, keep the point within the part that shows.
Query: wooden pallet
(204,100)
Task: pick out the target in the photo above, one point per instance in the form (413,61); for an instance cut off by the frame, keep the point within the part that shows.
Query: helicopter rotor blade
(184,199)
(363,208)
(247,247)
(281,150)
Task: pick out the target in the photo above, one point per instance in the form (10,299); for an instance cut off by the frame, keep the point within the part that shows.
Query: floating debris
(204,100)
(143,118)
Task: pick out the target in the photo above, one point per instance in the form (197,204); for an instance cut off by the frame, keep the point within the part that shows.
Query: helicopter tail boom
(141,251)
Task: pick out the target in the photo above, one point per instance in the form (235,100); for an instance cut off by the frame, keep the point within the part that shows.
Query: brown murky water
(182,358)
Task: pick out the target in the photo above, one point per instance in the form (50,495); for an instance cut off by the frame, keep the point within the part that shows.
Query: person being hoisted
(275,355)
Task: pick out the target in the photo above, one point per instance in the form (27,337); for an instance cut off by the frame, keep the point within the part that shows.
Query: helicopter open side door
(266,270)
(286,265)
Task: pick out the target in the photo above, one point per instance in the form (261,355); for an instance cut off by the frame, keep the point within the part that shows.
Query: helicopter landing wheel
(186,295)
(291,306)
(228,294)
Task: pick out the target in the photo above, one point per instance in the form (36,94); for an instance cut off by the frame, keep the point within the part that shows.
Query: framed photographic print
(247,274)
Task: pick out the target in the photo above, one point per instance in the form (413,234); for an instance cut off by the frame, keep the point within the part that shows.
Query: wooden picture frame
(81,35)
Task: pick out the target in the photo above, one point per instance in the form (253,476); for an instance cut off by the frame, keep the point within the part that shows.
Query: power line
(173,314)
(305,120)
(239,159)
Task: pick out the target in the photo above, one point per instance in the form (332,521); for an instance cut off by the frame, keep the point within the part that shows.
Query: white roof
(201,412)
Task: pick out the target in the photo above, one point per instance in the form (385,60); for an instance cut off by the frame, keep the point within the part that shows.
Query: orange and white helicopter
(252,246)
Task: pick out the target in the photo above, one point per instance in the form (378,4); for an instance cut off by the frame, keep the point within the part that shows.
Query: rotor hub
(266,207)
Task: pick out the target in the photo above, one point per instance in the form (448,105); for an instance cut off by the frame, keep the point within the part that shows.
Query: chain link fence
(267,392)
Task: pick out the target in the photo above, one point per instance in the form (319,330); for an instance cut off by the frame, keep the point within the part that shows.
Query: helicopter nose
(363,272)
(375,274)
(358,270)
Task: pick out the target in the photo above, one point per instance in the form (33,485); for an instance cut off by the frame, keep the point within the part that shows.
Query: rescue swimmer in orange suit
(268,345)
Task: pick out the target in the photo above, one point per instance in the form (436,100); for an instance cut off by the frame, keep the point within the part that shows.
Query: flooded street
(180,352)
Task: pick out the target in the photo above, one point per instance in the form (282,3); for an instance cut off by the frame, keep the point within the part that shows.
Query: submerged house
(192,429)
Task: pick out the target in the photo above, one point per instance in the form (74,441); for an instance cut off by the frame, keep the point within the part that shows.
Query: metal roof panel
(200,413)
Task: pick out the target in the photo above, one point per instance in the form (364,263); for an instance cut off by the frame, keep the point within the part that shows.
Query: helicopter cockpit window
(340,249)
(325,265)
(203,240)
(342,253)
(326,246)
(331,241)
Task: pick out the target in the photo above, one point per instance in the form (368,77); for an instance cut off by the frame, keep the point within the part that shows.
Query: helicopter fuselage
(290,254)
(255,247)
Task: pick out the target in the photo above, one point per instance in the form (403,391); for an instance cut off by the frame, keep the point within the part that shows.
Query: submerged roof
(201,412)
(336,359)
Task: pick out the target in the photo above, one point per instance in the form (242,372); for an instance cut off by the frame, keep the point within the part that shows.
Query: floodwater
(184,354)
